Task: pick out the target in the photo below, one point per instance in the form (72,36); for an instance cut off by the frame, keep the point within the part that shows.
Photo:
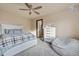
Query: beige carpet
(41,49)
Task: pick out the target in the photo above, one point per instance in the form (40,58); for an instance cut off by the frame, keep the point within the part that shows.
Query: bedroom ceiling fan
(31,9)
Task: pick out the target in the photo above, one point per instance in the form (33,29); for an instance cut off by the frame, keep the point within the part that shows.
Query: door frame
(37,27)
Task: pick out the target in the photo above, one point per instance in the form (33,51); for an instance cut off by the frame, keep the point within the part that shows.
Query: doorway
(39,29)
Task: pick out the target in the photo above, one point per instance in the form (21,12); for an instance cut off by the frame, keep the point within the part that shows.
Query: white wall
(9,18)
(67,23)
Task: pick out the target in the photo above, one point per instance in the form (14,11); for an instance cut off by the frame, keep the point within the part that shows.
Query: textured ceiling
(47,8)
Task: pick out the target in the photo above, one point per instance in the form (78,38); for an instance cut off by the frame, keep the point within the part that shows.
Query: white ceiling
(46,9)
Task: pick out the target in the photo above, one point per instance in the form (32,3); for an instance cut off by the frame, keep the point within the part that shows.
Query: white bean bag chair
(66,46)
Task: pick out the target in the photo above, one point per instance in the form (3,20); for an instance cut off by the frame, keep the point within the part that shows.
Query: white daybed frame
(16,49)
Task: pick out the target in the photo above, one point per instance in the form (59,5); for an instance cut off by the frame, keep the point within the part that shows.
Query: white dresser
(49,33)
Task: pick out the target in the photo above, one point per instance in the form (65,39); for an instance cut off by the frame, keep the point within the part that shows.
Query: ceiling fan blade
(23,9)
(36,8)
(27,5)
(37,12)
